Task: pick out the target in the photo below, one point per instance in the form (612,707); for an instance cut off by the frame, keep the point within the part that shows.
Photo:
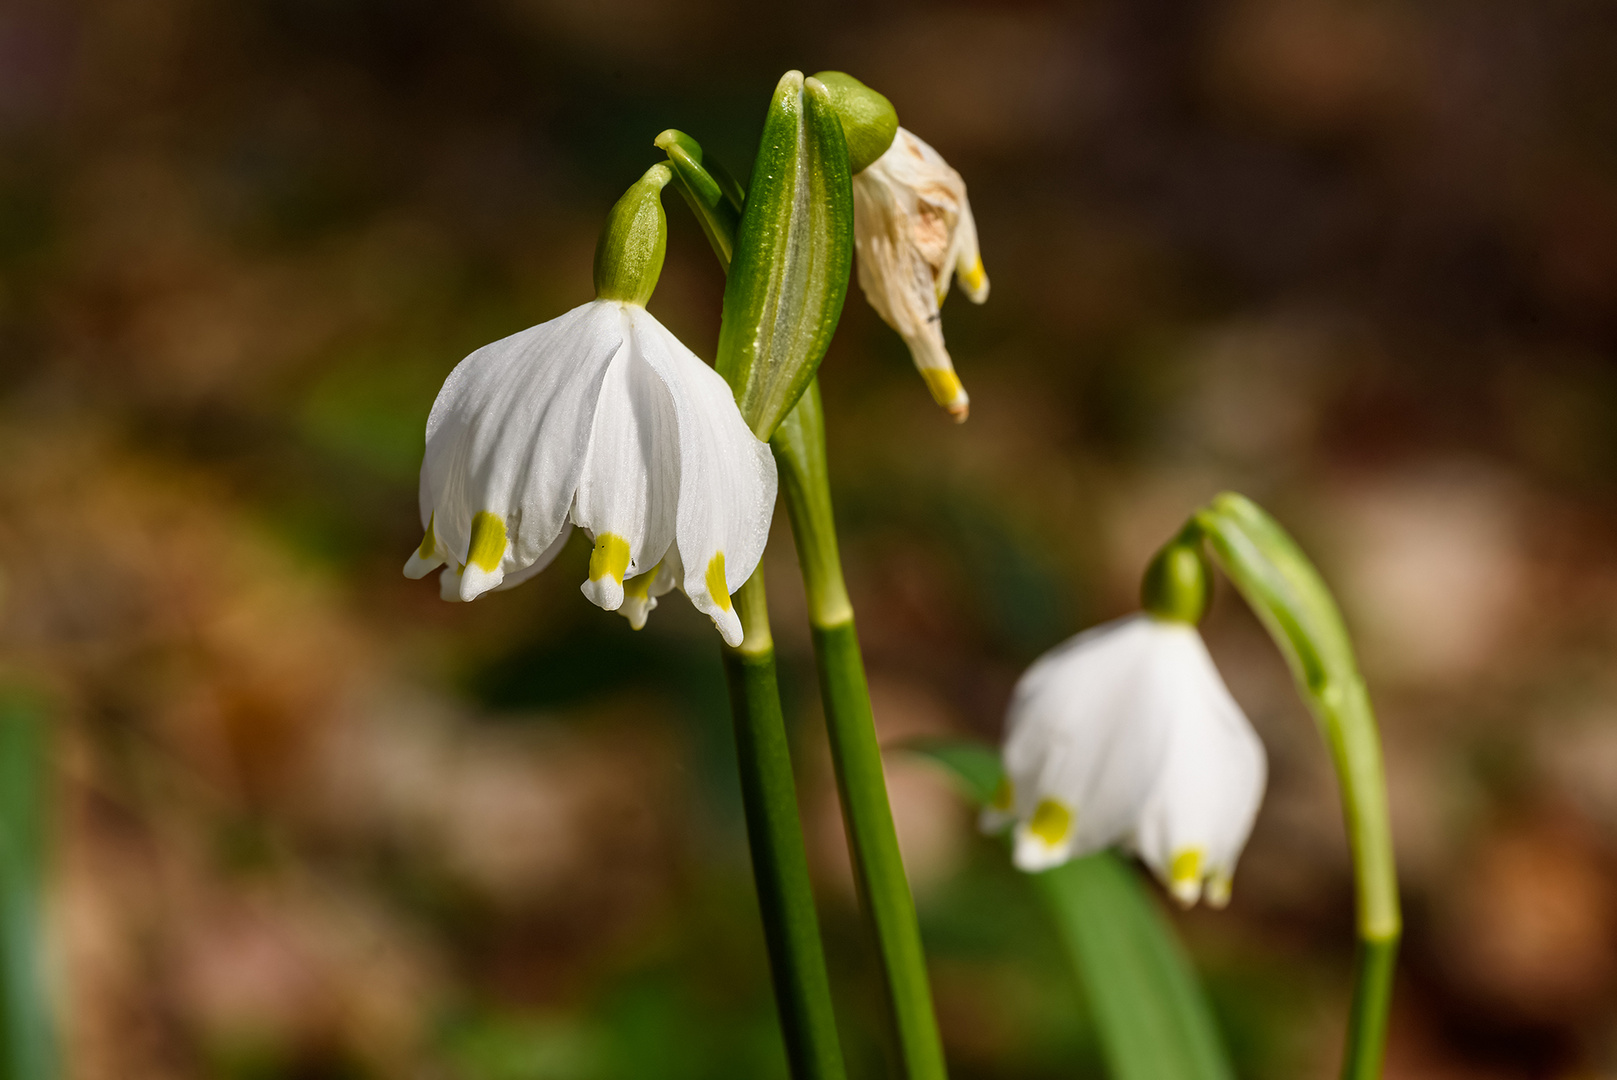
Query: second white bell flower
(601,419)
(914,233)
(1127,734)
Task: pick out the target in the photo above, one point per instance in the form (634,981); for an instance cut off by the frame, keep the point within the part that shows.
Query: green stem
(1295,606)
(799,444)
(855,754)
(779,861)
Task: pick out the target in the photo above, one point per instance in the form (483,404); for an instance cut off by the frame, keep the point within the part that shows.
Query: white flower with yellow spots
(1126,733)
(914,232)
(603,420)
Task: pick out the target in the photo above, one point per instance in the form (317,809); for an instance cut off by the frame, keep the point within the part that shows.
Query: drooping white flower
(914,232)
(600,419)
(1126,733)
(1200,811)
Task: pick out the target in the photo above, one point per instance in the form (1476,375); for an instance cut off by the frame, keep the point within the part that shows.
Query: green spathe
(629,255)
(713,196)
(793,252)
(868,119)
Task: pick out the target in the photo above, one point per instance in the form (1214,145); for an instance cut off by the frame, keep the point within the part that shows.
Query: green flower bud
(1178,584)
(868,119)
(629,255)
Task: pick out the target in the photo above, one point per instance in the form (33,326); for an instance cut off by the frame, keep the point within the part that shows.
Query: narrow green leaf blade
(1149,1009)
(974,765)
(789,272)
(27,1035)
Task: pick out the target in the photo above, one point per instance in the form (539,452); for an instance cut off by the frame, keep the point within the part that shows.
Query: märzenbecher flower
(601,419)
(1127,734)
(913,232)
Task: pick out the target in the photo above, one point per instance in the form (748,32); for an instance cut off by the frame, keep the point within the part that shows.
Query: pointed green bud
(868,119)
(789,274)
(629,255)
(1178,583)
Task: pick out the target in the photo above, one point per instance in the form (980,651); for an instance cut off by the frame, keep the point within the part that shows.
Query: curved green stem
(779,861)
(850,724)
(1294,605)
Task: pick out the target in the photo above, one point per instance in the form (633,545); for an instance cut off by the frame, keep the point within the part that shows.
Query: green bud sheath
(708,190)
(868,118)
(1178,583)
(793,251)
(629,255)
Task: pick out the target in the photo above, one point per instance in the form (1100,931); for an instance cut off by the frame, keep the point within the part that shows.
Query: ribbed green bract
(789,273)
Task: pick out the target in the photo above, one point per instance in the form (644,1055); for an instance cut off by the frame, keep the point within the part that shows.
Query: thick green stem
(779,861)
(856,755)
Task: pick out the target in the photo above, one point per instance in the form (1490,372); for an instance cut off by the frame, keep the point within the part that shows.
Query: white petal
(507,438)
(1201,809)
(640,593)
(629,490)
(726,477)
(546,557)
(1083,743)
(912,229)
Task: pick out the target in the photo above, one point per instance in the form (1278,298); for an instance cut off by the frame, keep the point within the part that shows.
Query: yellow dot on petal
(973,275)
(488,541)
(1051,822)
(1004,795)
(429,542)
(717,586)
(611,556)
(1186,867)
(639,586)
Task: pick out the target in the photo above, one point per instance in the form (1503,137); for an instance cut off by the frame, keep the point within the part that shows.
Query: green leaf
(1149,1009)
(788,276)
(975,765)
(27,1037)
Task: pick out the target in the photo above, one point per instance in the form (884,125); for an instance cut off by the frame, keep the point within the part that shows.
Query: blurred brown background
(1357,258)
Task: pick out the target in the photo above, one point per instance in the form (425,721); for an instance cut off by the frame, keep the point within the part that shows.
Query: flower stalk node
(1178,582)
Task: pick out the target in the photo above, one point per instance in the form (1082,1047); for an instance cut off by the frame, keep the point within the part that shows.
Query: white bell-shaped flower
(603,420)
(1126,733)
(914,232)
